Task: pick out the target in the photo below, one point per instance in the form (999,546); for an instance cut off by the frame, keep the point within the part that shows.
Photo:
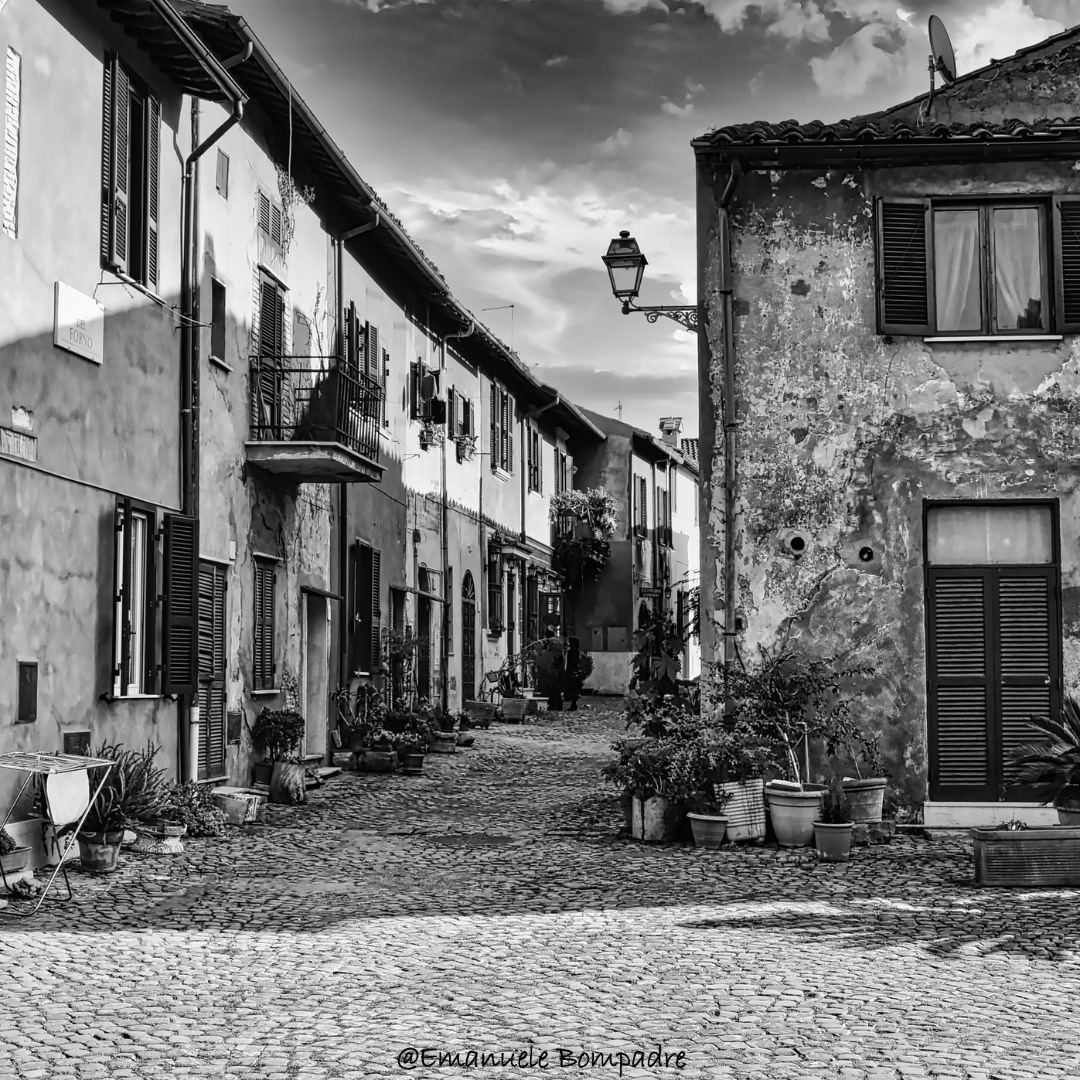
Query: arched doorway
(468,638)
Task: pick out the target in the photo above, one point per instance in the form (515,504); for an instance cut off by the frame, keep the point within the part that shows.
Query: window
(263,666)
(495,596)
(217,320)
(221,179)
(135,603)
(12,96)
(562,471)
(459,418)
(536,467)
(212,587)
(267,381)
(270,216)
(366,653)
(977,269)
(641,507)
(130,160)
(663,516)
(502,433)
(367,364)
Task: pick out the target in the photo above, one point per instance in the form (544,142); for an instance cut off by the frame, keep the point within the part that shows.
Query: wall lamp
(626,263)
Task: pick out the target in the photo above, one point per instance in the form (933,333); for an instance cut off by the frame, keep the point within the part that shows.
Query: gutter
(189,310)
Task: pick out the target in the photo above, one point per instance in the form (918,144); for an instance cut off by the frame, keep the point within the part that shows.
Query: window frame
(131,647)
(1059,246)
(503,420)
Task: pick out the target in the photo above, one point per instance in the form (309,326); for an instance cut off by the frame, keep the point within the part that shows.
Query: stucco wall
(843,434)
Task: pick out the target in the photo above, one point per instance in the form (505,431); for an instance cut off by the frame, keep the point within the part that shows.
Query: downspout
(189,375)
(457,335)
(532,414)
(344,675)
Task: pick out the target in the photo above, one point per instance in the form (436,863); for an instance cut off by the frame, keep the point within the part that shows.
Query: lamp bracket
(687,317)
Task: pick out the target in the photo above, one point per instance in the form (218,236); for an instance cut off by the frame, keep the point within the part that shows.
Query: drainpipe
(456,335)
(532,414)
(344,675)
(189,374)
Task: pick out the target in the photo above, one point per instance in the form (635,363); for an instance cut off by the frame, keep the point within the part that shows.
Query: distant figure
(572,679)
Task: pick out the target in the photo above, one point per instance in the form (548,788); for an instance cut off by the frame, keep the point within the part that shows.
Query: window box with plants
(278,732)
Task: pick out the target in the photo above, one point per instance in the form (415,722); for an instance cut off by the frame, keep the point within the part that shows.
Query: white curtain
(1017,269)
(957,270)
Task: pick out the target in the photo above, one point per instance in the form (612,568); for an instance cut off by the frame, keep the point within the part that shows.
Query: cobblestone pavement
(492,906)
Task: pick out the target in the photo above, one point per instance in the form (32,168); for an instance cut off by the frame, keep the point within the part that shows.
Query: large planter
(865,798)
(708,829)
(745,811)
(369,760)
(159,838)
(513,709)
(15,861)
(833,842)
(443,742)
(654,819)
(793,814)
(287,786)
(412,764)
(1028,858)
(100,852)
(261,772)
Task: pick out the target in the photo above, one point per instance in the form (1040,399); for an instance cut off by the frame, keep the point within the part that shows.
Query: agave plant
(1052,768)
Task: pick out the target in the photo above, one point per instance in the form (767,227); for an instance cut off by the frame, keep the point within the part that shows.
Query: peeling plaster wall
(843,434)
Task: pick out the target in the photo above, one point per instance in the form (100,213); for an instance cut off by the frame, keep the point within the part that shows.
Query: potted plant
(788,699)
(412,743)
(1053,767)
(832,830)
(13,858)
(278,732)
(865,791)
(134,790)
(643,771)
(697,770)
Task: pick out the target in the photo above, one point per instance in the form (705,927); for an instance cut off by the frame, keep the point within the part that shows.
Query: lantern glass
(626,266)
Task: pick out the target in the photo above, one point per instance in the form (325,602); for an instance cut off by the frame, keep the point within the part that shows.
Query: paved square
(490,907)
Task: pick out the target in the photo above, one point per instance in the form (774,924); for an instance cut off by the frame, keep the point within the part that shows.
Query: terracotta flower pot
(708,829)
(833,842)
(412,764)
(793,814)
(100,852)
(865,798)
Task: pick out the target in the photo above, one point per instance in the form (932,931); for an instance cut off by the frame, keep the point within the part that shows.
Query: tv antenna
(503,307)
(942,59)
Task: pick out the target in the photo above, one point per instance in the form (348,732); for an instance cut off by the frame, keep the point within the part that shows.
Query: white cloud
(556,61)
(614,143)
(677,110)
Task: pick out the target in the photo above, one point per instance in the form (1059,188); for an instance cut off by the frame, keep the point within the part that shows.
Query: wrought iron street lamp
(626,264)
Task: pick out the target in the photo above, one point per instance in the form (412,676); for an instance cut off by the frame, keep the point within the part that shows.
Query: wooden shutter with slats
(153,183)
(212,585)
(267,393)
(263,646)
(905,285)
(116,149)
(376,609)
(180,614)
(495,441)
(1066,228)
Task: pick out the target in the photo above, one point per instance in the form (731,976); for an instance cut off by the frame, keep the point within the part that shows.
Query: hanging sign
(78,323)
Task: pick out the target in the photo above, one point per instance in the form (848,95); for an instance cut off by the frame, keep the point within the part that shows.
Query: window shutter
(384,367)
(153,154)
(494,402)
(509,431)
(371,352)
(121,577)
(376,610)
(275,224)
(264,213)
(149,659)
(363,593)
(466,416)
(114,166)
(451,413)
(905,288)
(352,337)
(263,652)
(180,618)
(1067,264)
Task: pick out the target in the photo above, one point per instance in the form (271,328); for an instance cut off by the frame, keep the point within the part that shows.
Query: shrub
(7,842)
(193,805)
(278,732)
(134,790)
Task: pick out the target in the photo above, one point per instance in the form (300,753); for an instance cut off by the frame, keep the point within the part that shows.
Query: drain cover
(470,840)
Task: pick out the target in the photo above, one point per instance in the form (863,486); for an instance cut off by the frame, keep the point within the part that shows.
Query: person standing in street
(572,679)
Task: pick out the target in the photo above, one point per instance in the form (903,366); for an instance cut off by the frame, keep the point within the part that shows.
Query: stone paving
(491,907)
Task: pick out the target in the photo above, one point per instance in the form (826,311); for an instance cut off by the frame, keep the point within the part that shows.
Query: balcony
(314,420)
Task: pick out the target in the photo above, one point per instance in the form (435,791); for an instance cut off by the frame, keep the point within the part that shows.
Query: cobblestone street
(492,906)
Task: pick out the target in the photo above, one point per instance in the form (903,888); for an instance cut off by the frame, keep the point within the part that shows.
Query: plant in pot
(832,830)
(550,670)
(278,732)
(860,753)
(789,699)
(642,770)
(1052,767)
(135,790)
(13,858)
(697,772)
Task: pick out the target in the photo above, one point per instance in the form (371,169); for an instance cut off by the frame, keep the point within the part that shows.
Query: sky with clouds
(515,138)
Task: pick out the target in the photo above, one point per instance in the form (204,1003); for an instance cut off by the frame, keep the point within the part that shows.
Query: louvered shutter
(1067,265)
(383,372)
(376,609)
(153,156)
(121,608)
(264,213)
(352,338)
(266,398)
(452,429)
(510,423)
(180,617)
(263,651)
(116,143)
(211,671)
(275,224)
(494,401)
(905,286)
(960,683)
(371,352)
(149,659)
(1027,618)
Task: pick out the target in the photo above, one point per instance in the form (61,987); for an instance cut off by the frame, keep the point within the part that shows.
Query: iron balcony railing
(315,399)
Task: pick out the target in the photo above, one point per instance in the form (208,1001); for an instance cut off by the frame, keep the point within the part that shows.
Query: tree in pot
(278,732)
(1052,766)
(832,830)
(135,790)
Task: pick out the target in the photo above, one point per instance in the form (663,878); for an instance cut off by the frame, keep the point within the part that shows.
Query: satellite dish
(941,51)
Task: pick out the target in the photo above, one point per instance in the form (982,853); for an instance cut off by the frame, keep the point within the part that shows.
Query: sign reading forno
(78,323)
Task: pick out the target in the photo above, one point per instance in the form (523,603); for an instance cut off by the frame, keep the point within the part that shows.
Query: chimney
(671,426)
